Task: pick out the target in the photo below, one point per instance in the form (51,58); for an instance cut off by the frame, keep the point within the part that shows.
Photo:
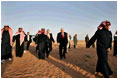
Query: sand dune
(80,63)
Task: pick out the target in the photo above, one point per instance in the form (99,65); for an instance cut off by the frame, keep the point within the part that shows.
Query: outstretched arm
(92,40)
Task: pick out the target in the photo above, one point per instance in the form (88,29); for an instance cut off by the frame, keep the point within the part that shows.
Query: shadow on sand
(69,68)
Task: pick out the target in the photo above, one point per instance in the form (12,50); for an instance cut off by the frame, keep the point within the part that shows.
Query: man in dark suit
(49,45)
(28,40)
(62,41)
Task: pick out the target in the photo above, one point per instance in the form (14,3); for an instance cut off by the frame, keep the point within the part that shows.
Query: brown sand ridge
(79,63)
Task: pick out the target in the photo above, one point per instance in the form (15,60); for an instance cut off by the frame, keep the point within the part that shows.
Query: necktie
(62,35)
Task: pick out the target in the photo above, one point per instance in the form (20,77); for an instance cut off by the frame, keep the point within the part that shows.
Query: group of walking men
(44,42)
(45,39)
(8,39)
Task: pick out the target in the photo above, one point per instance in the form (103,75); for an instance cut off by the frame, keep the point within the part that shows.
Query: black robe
(42,41)
(104,41)
(6,48)
(115,46)
(35,40)
(19,48)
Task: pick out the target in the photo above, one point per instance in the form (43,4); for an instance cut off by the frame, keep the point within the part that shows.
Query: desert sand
(79,63)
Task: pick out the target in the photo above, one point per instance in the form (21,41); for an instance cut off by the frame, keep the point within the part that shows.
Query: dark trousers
(69,45)
(28,45)
(48,49)
(62,50)
(74,46)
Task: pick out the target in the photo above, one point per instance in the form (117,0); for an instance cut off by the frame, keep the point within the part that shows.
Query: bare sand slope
(79,63)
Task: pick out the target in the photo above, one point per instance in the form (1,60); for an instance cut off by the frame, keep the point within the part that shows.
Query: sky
(76,17)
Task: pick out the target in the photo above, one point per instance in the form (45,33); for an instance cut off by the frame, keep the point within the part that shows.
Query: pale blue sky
(75,17)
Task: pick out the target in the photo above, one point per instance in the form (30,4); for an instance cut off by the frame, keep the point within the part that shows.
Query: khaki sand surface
(79,63)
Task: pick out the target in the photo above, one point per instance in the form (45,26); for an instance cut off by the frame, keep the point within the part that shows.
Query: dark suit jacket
(26,39)
(61,40)
(51,38)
